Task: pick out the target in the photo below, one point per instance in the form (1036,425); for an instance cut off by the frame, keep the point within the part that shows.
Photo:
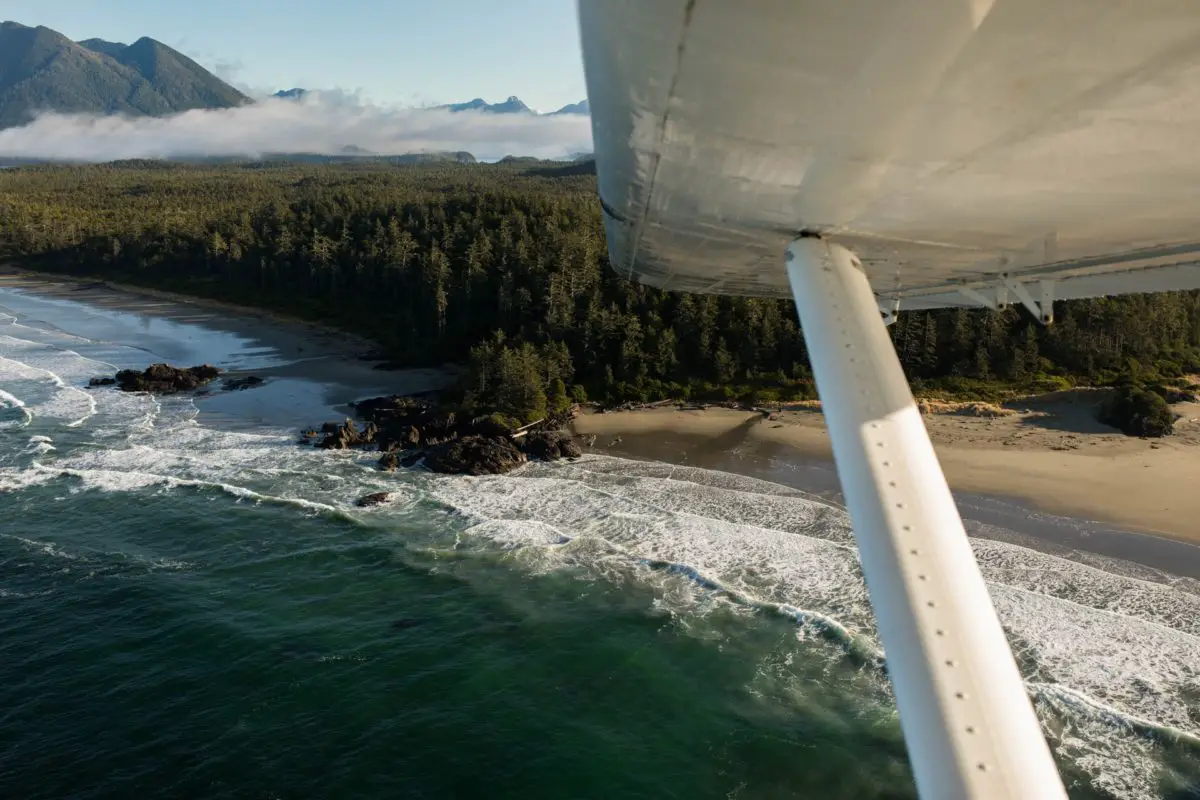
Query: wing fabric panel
(944,141)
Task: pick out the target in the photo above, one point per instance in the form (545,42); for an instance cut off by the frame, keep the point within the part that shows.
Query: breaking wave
(1112,661)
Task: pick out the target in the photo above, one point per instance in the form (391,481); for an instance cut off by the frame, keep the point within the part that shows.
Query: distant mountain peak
(291,94)
(582,107)
(513,105)
(42,70)
(113,49)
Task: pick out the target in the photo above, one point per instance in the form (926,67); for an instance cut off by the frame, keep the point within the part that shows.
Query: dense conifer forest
(504,266)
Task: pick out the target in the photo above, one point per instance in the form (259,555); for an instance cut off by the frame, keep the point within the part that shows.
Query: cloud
(324,123)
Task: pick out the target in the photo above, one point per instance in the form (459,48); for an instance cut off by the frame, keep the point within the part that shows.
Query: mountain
(291,94)
(512,105)
(581,107)
(42,70)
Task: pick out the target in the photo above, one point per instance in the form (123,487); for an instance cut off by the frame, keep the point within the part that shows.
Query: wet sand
(311,371)
(1097,491)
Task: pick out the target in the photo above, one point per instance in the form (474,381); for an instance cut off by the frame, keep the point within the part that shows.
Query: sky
(390,52)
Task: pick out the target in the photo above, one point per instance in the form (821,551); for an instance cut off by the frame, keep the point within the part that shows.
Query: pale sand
(312,371)
(1051,453)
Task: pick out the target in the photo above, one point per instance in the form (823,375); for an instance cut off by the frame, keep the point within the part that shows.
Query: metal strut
(967,720)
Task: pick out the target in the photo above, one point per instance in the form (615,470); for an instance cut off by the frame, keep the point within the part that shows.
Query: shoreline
(311,371)
(1052,456)
(53,283)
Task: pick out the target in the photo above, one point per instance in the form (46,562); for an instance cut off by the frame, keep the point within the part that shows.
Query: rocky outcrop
(410,430)
(392,460)
(347,435)
(94,382)
(550,445)
(165,379)
(475,455)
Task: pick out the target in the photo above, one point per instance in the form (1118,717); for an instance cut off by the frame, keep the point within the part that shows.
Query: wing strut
(967,720)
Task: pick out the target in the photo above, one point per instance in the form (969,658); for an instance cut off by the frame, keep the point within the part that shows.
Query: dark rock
(440,428)
(550,445)
(391,461)
(374,499)
(330,427)
(165,379)
(412,459)
(343,437)
(368,433)
(238,384)
(410,437)
(398,437)
(392,407)
(475,455)
(102,382)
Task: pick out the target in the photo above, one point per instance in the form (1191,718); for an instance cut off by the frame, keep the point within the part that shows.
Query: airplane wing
(858,154)
(946,142)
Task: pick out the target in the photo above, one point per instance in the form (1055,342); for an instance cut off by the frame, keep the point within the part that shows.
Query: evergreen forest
(504,267)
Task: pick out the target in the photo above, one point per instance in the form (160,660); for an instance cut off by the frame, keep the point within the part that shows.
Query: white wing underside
(946,142)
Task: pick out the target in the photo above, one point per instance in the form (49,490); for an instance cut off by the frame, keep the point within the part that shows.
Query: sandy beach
(1048,451)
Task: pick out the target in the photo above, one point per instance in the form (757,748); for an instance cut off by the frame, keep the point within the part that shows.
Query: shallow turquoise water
(191,609)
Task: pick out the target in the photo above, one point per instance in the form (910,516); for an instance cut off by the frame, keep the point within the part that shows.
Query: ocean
(191,605)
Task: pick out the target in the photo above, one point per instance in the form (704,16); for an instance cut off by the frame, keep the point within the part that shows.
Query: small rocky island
(160,379)
(166,379)
(410,431)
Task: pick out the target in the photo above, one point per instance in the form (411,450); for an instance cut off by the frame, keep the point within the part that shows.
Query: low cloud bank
(321,123)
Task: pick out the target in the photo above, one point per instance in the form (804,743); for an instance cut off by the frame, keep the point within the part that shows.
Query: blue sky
(406,52)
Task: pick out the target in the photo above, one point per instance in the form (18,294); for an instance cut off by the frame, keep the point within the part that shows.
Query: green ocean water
(192,646)
(191,607)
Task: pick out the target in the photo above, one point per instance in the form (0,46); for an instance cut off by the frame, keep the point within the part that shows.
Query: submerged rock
(238,384)
(373,499)
(412,459)
(165,379)
(475,455)
(101,382)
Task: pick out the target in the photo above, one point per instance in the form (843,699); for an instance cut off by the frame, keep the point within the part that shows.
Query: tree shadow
(1069,411)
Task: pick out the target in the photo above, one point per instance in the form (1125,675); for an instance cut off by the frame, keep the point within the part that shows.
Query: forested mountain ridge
(505,265)
(42,70)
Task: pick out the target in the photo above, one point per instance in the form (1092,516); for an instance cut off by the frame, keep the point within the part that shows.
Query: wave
(1110,660)
(130,481)
(60,402)
(13,413)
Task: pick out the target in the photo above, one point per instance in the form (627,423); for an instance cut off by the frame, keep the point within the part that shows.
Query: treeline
(505,266)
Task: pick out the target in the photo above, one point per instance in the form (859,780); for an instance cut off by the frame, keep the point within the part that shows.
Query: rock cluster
(409,431)
(165,379)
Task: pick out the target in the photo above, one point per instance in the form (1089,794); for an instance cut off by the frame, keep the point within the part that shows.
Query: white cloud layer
(325,123)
